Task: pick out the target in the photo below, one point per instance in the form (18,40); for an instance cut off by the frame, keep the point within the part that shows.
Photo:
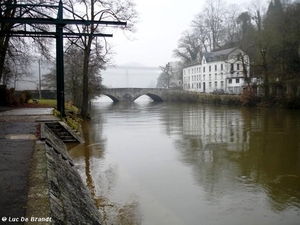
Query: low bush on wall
(194,97)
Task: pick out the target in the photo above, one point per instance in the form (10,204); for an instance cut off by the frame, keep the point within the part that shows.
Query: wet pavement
(27,112)
(18,134)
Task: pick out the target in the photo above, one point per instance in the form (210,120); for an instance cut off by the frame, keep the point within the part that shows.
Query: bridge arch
(131,94)
(112,97)
(154,97)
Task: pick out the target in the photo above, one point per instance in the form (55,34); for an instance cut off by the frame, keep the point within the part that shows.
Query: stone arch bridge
(131,94)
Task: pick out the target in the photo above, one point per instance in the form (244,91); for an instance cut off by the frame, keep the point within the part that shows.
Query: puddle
(21,136)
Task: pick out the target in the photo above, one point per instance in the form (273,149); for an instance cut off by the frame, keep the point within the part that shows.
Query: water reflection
(256,147)
(148,163)
(86,157)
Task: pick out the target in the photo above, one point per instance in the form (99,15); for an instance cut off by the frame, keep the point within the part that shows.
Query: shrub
(25,96)
(249,98)
(10,97)
(293,103)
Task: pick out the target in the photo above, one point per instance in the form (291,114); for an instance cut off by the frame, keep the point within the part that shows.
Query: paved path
(18,134)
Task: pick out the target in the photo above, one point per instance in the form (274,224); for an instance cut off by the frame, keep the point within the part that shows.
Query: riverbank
(39,182)
(245,99)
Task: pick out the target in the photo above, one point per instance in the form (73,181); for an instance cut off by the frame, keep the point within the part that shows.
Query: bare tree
(16,48)
(94,47)
(201,31)
(5,29)
(189,48)
(165,77)
(231,27)
(73,76)
(215,12)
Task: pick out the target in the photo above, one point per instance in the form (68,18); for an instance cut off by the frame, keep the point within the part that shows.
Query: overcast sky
(157,35)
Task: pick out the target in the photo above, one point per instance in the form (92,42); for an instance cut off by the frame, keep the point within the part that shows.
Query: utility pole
(60,87)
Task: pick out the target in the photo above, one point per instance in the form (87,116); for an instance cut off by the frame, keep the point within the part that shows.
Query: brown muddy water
(148,163)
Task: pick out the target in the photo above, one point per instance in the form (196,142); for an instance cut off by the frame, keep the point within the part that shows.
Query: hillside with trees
(269,34)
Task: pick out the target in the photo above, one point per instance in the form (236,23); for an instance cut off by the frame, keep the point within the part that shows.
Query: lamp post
(40,80)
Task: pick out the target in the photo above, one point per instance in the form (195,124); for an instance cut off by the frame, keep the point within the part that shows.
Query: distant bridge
(131,94)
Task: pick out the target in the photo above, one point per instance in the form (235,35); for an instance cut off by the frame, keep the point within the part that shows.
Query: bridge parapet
(131,94)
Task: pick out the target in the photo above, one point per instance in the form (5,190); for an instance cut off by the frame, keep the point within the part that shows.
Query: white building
(218,71)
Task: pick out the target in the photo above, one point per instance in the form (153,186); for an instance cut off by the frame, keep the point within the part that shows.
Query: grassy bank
(52,103)
(72,119)
(44,102)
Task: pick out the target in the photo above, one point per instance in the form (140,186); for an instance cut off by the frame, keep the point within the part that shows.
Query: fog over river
(169,163)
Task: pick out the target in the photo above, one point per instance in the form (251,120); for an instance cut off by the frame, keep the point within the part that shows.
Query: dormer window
(231,68)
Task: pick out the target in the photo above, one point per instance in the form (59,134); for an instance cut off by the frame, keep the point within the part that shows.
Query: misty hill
(131,64)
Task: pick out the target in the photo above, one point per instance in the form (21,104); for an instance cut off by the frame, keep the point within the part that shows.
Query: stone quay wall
(56,191)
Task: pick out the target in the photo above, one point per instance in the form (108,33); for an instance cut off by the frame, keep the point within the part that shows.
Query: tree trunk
(266,78)
(4,40)
(85,81)
(4,48)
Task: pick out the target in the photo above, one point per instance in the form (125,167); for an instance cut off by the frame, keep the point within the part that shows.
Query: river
(168,163)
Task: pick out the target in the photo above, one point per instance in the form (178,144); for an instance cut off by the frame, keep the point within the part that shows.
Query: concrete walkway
(19,132)
(38,181)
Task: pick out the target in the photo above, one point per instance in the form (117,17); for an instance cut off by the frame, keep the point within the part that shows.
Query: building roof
(218,55)
(213,56)
(193,63)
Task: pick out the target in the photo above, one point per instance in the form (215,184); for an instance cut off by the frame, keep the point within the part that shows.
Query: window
(209,84)
(231,67)
(222,83)
(203,69)
(209,68)
(216,67)
(230,81)
(237,66)
(209,76)
(216,84)
(199,85)
(221,66)
(237,80)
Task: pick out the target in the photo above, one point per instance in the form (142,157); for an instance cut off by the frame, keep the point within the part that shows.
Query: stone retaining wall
(60,194)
